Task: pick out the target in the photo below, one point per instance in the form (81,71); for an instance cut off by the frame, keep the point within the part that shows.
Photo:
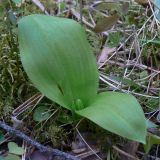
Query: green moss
(56,135)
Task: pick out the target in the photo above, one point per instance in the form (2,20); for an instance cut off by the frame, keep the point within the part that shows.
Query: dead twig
(124,153)
(39,146)
(40,6)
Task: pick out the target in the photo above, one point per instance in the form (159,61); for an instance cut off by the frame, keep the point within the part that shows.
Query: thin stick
(124,153)
(40,6)
(94,152)
(42,148)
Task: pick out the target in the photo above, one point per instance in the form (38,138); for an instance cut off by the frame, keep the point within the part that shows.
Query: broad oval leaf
(118,113)
(41,113)
(58,59)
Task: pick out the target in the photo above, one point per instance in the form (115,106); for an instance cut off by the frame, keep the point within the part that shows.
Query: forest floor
(125,38)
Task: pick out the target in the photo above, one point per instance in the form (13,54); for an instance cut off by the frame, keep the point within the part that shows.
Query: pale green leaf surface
(15,149)
(57,58)
(118,113)
(41,113)
(18,2)
(150,124)
(2,158)
(151,140)
(12,157)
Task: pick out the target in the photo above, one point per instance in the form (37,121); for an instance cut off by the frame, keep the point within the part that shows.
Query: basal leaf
(118,113)
(57,58)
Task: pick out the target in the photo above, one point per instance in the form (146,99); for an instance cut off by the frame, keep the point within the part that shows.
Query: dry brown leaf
(106,23)
(142,2)
(106,51)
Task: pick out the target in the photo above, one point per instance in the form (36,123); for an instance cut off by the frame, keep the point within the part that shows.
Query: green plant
(14,152)
(15,149)
(58,59)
